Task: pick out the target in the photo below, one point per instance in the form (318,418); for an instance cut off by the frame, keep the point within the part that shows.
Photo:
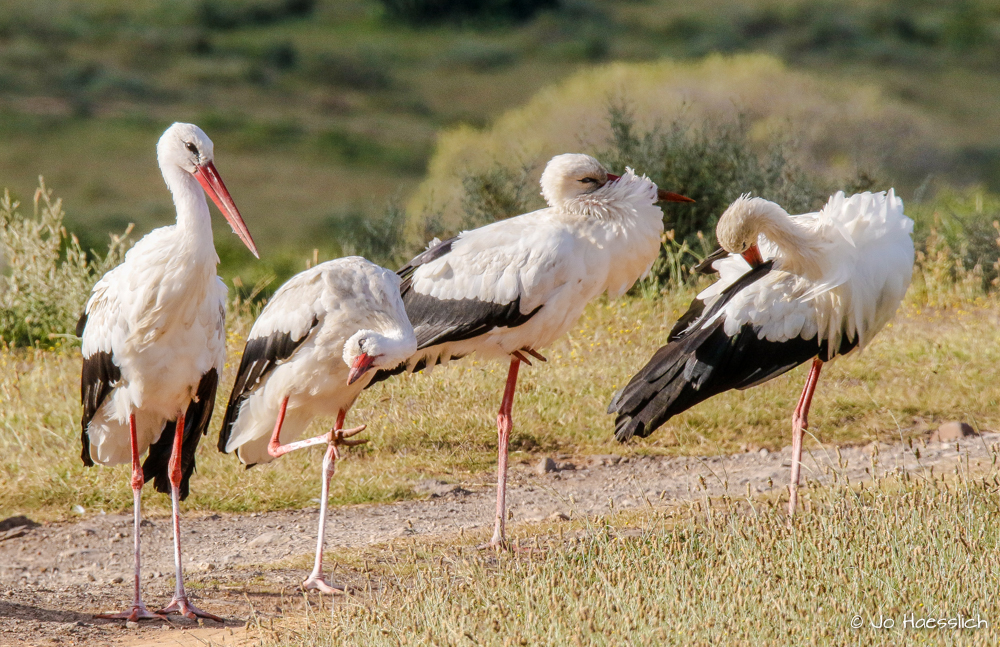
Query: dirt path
(54,577)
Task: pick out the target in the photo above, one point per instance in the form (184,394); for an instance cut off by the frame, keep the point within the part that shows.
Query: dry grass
(912,548)
(928,366)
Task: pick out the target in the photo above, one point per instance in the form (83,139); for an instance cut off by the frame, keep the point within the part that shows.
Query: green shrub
(47,276)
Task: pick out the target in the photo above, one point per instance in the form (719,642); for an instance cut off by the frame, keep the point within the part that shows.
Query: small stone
(266,538)
(567,466)
(545,466)
(558,516)
(206,567)
(90,577)
(952,431)
(118,579)
(763,452)
(131,624)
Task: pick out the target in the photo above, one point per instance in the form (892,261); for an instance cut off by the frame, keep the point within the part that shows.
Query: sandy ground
(54,577)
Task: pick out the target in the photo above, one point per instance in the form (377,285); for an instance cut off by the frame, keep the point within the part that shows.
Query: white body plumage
(557,259)
(840,272)
(325,318)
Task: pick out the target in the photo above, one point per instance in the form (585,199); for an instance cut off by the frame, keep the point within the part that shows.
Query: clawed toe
(320,583)
(188,610)
(135,614)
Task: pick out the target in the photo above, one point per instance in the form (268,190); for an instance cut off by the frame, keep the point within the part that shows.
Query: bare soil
(54,577)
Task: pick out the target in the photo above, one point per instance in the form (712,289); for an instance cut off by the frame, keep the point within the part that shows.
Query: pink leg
(336,437)
(138,610)
(504,426)
(800,422)
(276,449)
(179,603)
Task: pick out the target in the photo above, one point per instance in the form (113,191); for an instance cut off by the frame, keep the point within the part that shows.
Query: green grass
(929,366)
(738,573)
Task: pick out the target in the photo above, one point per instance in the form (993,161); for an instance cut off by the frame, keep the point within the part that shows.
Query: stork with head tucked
(314,348)
(511,288)
(154,344)
(790,289)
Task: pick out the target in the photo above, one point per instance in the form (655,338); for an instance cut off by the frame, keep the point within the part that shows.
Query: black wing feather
(156,467)
(98,378)
(440,321)
(700,362)
(260,357)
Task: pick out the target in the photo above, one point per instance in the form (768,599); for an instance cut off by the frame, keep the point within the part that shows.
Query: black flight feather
(699,362)
(260,357)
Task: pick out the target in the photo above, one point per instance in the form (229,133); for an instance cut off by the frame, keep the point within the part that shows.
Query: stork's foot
(320,583)
(188,610)
(339,437)
(135,614)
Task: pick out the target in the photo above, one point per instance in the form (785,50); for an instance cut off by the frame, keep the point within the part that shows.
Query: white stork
(154,344)
(510,288)
(310,353)
(831,280)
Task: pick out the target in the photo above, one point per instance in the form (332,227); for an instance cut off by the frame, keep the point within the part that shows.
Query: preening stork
(314,348)
(510,288)
(790,289)
(154,344)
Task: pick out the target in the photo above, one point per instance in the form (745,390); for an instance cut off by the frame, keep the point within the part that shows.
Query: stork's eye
(191,147)
(589,180)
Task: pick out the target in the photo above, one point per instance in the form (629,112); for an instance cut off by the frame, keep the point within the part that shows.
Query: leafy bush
(47,276)
(436,11)
(957,236)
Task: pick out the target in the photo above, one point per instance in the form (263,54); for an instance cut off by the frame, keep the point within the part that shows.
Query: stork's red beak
(612,177)
(670,196)
(210,180)
(752,256)
(361,366)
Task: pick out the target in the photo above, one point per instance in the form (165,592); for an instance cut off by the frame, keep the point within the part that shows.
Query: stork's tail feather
(156,467)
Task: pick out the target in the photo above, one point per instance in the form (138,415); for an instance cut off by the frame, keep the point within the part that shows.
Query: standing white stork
(831,281)
(154,344)
(310,353)
(515,286)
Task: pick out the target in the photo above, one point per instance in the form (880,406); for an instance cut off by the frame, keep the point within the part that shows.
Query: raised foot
(319,583)
(188,610)
(135,614)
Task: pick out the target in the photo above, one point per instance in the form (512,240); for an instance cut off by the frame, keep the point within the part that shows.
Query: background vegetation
(328,111)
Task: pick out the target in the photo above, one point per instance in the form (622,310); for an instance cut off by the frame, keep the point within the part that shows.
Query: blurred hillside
(324,111)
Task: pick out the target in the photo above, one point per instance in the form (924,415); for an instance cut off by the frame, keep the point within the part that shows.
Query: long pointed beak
(361,366)
(612,178)
(670,196)
(210,180)
(752,256)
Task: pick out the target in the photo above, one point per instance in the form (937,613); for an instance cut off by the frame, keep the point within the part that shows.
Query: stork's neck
(194,221)
(795,242)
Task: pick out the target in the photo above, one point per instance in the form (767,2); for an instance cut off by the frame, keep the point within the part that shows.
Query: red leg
(276,449)
(138,610)
(504,426)
(800,422)
(179,603)
(337,437)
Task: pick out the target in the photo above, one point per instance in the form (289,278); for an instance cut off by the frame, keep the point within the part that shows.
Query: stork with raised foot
(511,288)
(314,348)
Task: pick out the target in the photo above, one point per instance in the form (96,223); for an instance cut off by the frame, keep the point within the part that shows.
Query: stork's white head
(574,180)
(188,148)
(367,349)
(741,225)
(569,176)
